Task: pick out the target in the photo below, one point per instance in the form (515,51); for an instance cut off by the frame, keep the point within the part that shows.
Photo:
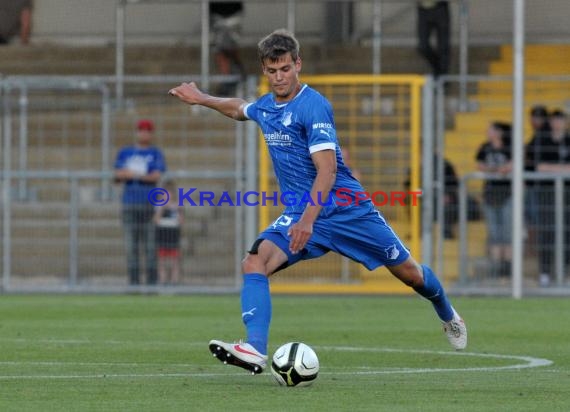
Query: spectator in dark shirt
(450,195)
(540,127)
(494,156)
(551,154)
(15,19)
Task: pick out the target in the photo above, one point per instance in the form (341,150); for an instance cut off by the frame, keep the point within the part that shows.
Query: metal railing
(23,85)
(559,210)
(459,132)
(49,120)
(71,201)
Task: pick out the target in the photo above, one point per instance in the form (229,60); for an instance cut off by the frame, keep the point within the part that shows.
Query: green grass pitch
(135,353)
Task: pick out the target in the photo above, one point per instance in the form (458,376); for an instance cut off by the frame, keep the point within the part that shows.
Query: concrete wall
(93,21)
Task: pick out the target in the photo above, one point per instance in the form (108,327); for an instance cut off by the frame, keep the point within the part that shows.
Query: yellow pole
(263,168)
(415,115)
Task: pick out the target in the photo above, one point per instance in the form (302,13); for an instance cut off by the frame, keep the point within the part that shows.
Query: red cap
(145,124)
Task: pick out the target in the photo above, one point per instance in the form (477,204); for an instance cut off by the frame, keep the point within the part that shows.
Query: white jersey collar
(286,103)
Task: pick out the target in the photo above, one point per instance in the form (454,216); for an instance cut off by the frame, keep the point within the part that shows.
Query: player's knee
(253,264)
(411,280)
(409,273)
(415,280)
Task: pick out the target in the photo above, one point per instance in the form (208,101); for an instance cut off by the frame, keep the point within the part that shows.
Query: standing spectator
(226,21)
(139,167)
(494,156)
(540,130)
(15,19)
(450,195)
(433,16)
(551,155)
(168,220)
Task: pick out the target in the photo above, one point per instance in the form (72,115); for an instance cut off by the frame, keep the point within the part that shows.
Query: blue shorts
(360,234)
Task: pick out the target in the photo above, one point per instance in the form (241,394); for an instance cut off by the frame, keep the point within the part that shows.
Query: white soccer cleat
(239,354)
(456,332)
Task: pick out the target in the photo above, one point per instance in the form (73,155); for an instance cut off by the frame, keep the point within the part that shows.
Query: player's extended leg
(263,259)
(425,282)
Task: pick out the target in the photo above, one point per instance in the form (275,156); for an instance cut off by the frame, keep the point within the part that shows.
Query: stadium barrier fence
(61,223)
(60,136)
(476,264)
(461,129)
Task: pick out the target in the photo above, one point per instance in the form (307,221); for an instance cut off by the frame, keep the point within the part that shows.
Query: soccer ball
(295,364)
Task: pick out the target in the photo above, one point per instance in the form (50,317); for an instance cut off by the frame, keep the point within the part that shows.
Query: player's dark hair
(278,43)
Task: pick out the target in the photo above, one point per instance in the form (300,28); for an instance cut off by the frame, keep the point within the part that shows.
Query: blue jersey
(141,161)
(293,131)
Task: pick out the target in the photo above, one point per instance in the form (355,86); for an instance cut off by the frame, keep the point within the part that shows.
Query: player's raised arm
(229,106)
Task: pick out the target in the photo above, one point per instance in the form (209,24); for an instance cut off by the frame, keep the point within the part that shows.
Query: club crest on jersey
(286,120)
(282,221)
(392,252)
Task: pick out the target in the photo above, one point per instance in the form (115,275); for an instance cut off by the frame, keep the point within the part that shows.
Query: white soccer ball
(295,364)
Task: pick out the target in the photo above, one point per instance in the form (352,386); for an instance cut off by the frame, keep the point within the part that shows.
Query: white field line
(528,361)
(524,362)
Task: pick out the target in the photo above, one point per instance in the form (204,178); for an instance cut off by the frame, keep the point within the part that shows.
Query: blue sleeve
(320,127)
(158,162)
(251,111)
(121,157)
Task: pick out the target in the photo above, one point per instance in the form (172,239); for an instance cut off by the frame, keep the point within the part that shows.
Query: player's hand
(187,92)
(300,234)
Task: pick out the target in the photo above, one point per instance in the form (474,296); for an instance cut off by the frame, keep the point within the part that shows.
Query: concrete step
(182,59)
(538,52)
(53,242)
(471,122)
(187,157)
(84,129)
(503,89)
(97,213)
(97,60)
(103,269)
(532,68)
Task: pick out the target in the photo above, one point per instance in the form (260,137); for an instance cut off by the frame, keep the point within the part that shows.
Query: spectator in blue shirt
(139,168)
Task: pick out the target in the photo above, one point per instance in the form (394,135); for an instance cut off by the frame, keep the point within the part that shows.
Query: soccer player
(299,130)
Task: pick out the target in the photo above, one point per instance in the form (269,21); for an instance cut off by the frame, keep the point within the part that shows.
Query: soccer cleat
(239,354)
(456,332)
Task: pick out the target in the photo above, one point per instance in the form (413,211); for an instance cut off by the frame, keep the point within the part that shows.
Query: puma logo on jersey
(392,252)
(249,312)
